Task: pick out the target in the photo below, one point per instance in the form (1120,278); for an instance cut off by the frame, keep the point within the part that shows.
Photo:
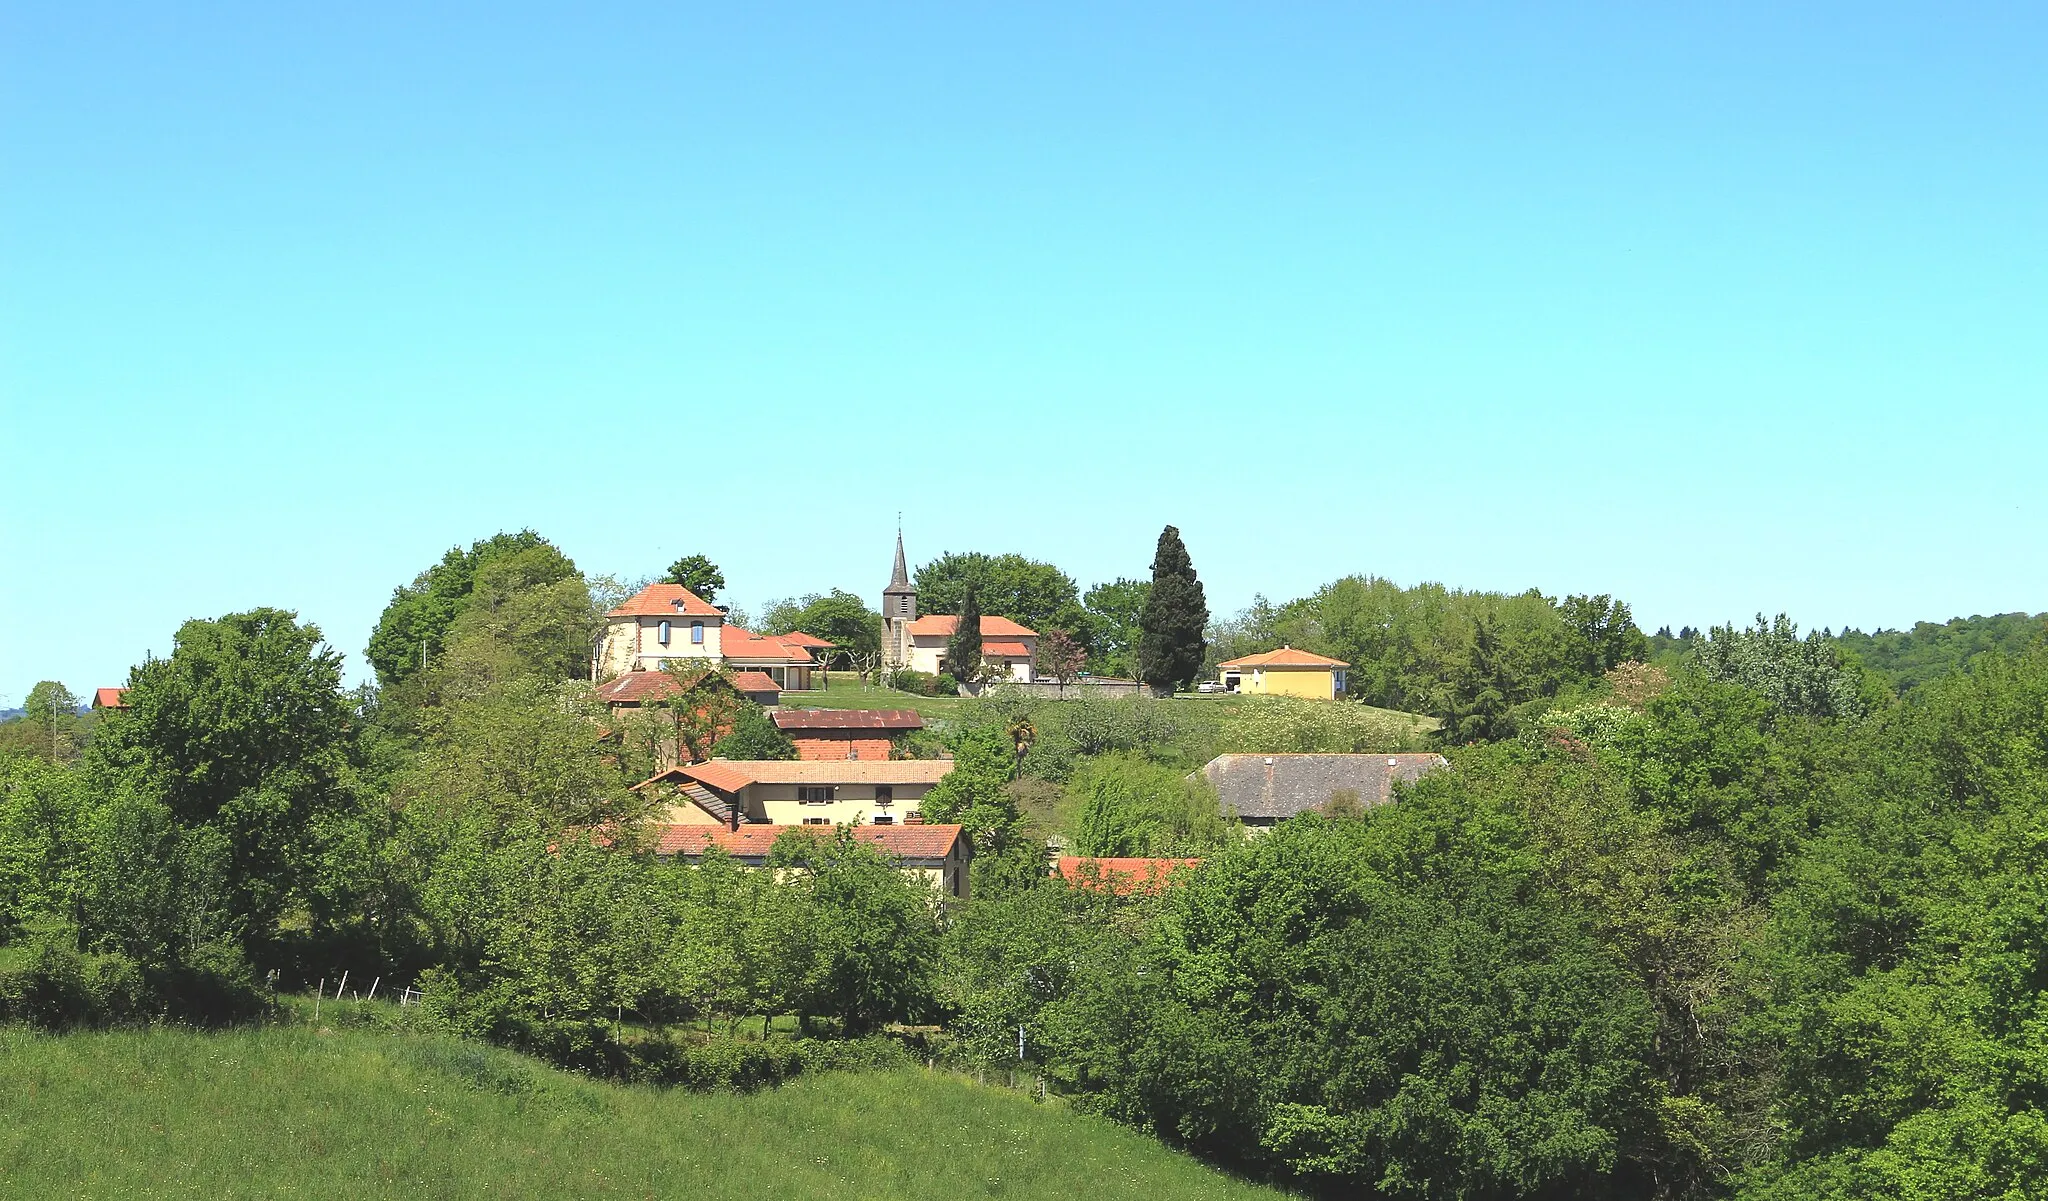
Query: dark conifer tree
(1170,643)
(963,649)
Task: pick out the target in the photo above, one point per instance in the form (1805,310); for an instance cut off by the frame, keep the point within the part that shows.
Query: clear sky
(1717,311)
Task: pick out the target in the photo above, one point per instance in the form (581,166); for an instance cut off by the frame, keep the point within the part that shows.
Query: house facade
(937,855)
(799,792)
(1285,672)
(664,623)
(828,735)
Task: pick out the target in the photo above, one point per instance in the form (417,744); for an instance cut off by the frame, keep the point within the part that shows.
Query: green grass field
(290,1111)
(845,691)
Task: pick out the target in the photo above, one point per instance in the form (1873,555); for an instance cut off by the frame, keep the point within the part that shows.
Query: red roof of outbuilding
(665,600)
(991,627)
(110,698)
(1121,876)
(799,638)
(1015,650)
(718,775)
(1286,656)
(848,719)
(904,842)
(636,687)
(755,681)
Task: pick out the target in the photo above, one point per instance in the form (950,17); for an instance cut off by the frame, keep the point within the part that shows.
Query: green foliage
(1123,805)
(872,933)
(922,683)
(754,736)
(234,756)
(1175,614)
(1035,594)
(840,618)
(553,629)
(43,815)
(963,649)
(1114,613)
(976,796)
(1480,659)
(50,725)
(1908,660)
(523,752)
(1806,678)
(697,573)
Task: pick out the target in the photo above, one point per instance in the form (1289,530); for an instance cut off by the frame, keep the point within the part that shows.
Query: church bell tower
(899,609)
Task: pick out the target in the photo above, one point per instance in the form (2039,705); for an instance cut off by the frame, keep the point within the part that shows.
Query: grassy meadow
(294,1111)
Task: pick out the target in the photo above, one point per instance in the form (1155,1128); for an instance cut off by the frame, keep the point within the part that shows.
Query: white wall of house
(928,652)
(850,804)
(634,643)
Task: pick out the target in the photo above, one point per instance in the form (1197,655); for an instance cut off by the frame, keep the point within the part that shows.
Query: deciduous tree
(699,574)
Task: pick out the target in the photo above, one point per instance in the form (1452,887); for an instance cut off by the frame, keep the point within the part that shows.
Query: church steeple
(899,609)
(899,579)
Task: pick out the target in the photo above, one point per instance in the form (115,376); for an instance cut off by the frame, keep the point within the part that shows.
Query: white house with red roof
(668,622)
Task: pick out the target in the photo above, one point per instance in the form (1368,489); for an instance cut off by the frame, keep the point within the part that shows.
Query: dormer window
(697,632)
(661,633)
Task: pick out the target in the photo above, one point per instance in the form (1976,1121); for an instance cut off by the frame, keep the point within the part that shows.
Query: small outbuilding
(1285,672)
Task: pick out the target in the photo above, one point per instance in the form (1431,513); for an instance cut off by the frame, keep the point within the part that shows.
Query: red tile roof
(1122,876)
(991,627)
(661,600)
(810,641)
(718,775)
(755,681)
(638,687)
(736,643)
(1286,656)
(1015,650)
(848,719)
(110,698)
(922,842)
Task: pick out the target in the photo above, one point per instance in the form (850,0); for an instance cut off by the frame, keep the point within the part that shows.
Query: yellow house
(1286,672)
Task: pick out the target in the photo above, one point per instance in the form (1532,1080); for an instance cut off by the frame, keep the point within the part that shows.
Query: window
(883,819)
(817,821)
(696,632)
(661,635)
(815,794)
(885,794)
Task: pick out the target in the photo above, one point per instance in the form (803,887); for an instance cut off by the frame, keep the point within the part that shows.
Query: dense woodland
(1729,913)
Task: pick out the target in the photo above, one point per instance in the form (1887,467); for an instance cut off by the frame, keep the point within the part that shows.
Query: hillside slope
(358,1114)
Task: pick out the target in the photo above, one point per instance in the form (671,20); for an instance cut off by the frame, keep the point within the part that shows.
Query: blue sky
(1719,311)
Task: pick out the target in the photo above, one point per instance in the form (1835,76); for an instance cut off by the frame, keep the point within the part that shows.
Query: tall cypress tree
(1170,644)
(963,649)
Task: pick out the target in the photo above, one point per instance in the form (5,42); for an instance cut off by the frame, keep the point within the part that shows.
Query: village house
(663,623)
(919,643)
(110,698)
(1264,790)
(1285,672)
(799,792)
(938,855)
(838,734)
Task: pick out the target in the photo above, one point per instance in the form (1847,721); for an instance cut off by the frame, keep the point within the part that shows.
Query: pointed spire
(899,579)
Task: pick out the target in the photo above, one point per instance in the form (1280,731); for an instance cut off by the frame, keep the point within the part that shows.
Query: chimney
(913,818)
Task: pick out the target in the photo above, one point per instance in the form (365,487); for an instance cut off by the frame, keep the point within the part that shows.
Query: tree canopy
(697,573)
(1036,594)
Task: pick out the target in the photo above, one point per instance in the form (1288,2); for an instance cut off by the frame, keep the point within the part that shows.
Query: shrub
(921,683)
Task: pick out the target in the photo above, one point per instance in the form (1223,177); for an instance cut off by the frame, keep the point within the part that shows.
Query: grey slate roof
(1280,786)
